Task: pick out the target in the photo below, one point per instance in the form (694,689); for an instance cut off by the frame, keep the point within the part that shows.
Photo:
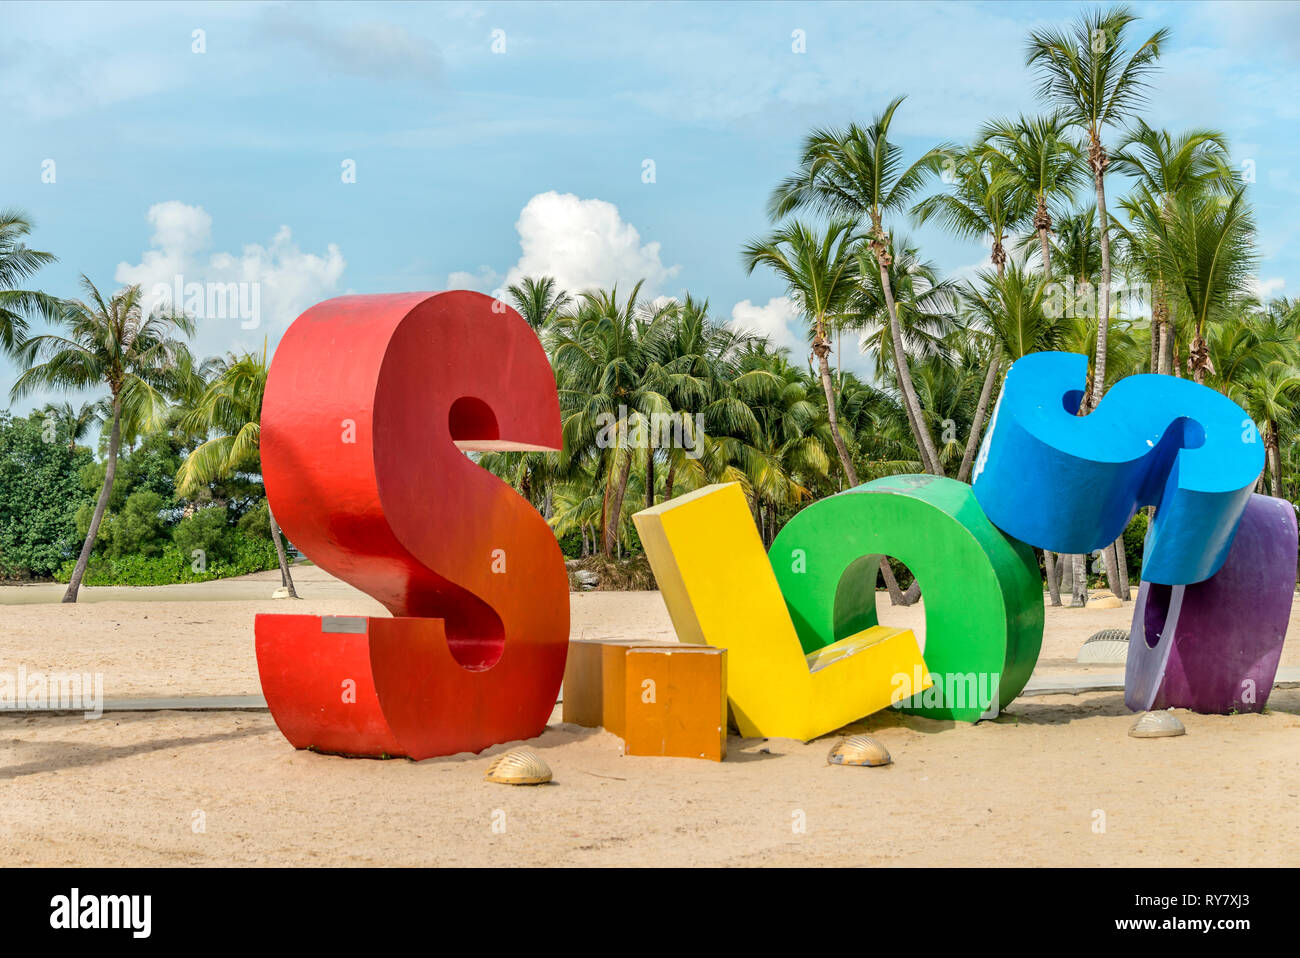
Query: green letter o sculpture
(982,591)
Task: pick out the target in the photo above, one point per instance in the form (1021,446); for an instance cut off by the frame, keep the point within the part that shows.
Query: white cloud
(1266,289)
(485,280)
(780,321)
(585,244)
(236,298)
(374,49)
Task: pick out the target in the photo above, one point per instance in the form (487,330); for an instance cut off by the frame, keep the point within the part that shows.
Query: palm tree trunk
(829,388)
(1045,248)
(668,483)
(1121,566)
(101,504)
(614,518)
(1110,564)
(1065,566)
(1273,446)
(1079,582)
(924,441)
(1198,356)
(1173,347)
(1049,567)
(981,408)
(896,596)
(1103,312)
(649,476)
(286,579)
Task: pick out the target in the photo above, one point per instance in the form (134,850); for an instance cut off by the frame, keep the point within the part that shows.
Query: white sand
(1027,789)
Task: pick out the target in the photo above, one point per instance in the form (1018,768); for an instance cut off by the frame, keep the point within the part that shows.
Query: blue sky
(474,165)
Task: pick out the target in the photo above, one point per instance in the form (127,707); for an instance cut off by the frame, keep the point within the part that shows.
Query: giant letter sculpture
(719,588)
(1070,484)
(1214,646)
(370,404)
(983,593)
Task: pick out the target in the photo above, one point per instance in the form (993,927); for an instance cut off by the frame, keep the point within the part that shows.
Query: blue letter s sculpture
(1070,484)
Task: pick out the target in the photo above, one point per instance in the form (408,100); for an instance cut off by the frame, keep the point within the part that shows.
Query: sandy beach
(1055,780)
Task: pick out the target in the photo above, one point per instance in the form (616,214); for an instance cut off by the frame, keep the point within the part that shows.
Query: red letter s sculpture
(370,404)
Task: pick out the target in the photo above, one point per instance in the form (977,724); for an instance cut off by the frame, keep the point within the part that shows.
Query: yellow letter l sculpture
(720,590)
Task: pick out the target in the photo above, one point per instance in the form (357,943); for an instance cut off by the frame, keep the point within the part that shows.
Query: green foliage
(39,494)
(208,532)
(256,522)
(1134,537)
(137,529)
(173,565)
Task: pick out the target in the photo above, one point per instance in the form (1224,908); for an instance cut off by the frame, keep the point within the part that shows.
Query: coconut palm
(1013,307)
(820,272)
(1271,395)
(18,263)
(539,300)
(78,421)
(858,172)
(610,384)
(1044,165)
(987,202)
(1166,166)
(111,343)
(1092,77)
(228,416)
(1210,254)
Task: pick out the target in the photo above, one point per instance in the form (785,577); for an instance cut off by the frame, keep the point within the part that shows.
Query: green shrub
(1134,537)
(245,555)
(39,493)
(138,529)
(256,522)
(207,532)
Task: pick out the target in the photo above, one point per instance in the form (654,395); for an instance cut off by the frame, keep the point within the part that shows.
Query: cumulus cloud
(585,244)
(235,298)
(484,281)
(1266,289)
(779,320)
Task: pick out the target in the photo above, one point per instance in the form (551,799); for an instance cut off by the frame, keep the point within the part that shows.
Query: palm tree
(1165,168)
(1271,395)
(1044,166)
(539,301)
(77,421)
(821,273)
(610,385)
(231,407)
(858,172)
(108,343)
(1211,254)
(987,202)
(1013,308)
(18,263)
(1090,76)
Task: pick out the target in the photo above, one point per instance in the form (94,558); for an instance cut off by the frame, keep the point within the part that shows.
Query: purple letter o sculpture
(1214,646)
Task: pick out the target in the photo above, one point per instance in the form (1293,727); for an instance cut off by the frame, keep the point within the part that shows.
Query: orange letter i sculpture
(371,403)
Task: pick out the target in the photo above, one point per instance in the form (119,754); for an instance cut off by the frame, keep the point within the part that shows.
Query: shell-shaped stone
(1157,725)
(519,766)
(858,750)
(1110,647)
